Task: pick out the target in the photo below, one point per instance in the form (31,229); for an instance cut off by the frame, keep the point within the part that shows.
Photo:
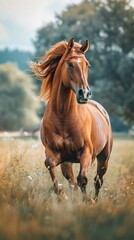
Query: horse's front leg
(85,162)
(51,162)
(57,186)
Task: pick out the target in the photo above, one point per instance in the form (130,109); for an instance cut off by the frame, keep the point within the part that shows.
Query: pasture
(30,210)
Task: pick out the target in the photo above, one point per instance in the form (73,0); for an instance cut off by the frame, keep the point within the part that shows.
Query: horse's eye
(70,64)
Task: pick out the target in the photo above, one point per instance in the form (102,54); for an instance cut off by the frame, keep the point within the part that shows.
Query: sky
(20,19)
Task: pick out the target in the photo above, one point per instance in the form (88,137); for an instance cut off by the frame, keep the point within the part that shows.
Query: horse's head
(75,71)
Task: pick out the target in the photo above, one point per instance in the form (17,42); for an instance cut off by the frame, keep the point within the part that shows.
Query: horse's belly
(69,156)
(70,150)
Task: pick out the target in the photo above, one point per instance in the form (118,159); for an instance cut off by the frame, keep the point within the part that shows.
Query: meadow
(30,210)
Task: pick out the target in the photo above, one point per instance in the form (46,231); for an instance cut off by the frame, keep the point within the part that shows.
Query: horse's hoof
(89,200)
(92,201)
(95,199)
(73,187)
(62,195)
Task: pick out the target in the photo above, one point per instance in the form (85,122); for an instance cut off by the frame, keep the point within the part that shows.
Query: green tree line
(18,108)
(16,56)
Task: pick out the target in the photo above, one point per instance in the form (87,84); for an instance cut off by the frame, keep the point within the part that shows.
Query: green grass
(30,210)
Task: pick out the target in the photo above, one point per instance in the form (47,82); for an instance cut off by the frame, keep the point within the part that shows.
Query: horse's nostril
(80,92)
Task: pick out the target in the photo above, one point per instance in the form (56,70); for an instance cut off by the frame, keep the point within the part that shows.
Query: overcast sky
(19,20)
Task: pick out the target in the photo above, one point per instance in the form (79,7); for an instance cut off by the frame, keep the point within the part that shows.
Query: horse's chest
(67,144)
(71,142)
(64,138)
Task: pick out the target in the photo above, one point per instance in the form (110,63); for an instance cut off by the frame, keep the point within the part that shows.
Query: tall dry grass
(30,210)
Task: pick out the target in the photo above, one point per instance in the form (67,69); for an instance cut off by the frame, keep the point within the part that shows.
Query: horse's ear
(70,44)
(85,46)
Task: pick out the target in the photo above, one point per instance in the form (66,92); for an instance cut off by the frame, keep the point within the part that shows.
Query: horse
(74,128)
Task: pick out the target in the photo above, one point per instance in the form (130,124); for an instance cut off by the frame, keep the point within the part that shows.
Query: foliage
(16,56)
(17,105)
(118,125)
(109,25)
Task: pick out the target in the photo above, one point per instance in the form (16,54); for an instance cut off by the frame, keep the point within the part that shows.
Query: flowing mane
(46,67)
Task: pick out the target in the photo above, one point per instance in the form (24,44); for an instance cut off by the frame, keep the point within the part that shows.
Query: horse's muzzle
(83,95)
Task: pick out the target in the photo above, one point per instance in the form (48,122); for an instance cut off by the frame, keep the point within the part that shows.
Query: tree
(109,26)
(17,104)
(117,52)
(17,56)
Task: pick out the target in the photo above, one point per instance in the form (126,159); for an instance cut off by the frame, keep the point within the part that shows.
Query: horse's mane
(46,67)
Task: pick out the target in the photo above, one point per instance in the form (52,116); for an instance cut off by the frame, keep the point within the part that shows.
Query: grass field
(30,210)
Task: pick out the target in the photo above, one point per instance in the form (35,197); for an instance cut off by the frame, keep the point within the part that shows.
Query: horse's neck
(63,100)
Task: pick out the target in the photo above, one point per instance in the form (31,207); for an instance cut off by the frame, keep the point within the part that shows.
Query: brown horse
(74,129)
